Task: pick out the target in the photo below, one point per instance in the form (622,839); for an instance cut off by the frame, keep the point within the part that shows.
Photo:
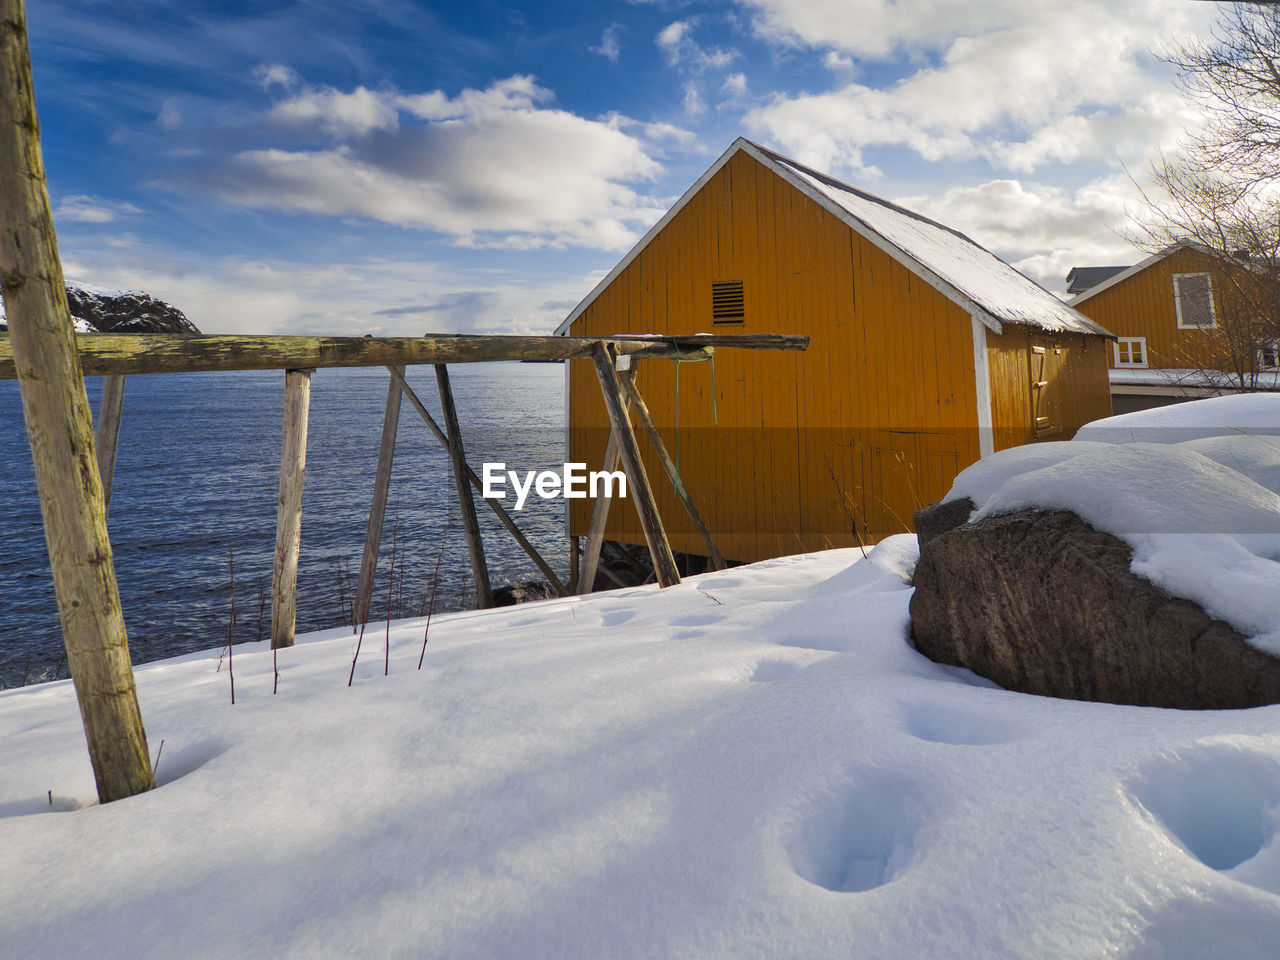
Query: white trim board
(982,388)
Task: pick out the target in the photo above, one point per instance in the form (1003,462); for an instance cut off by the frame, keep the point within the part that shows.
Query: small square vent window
(726,302)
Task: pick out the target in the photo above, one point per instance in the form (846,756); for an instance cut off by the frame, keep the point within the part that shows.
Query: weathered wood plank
(110,410)
(478,484)
(470,525)
(378,507)
(60,432)
(664,563)
(293,462)
(600,511)
(673,473)
(106,353)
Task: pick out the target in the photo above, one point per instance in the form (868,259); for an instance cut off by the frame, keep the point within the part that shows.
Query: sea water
(193,509)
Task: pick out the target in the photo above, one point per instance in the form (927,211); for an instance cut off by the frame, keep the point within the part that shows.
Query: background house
(927,351)
(1189,323)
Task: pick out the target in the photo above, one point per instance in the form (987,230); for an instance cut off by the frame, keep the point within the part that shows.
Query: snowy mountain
(96,310)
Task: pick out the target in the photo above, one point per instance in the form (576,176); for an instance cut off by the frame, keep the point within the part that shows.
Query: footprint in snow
(768,671)
(719,583)
(939,723)
(614,618)
(860,837)
(1219,802)
(697,619)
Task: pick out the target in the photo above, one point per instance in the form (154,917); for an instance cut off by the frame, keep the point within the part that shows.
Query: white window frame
(1177,303)
(1127,365)
(1274,347)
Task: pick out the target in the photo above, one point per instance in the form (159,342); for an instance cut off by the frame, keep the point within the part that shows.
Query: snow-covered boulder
(1141,573)
(1042,602)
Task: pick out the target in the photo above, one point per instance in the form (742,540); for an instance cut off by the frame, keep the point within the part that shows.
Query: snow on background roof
(1179,377)
(972,270)
(1193,488)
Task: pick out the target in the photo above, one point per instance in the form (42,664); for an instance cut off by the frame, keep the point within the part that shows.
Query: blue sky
(398,167)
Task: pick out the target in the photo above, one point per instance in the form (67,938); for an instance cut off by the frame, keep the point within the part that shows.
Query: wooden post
(475,546)
(664,563)
(476,482)
(600,511)
(673,473)
(378,509)
(293,462)
(575,557)
(60,431)
(110,410)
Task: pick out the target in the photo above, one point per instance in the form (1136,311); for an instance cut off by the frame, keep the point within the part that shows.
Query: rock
(127,311)
(524,592)
(1041,602)
(937,518)
(120,311)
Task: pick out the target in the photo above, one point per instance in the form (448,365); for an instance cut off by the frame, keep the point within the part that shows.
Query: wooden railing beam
(106,353)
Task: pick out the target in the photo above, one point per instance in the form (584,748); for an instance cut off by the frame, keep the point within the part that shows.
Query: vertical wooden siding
(1076,393)
(1143,306)
(879,413)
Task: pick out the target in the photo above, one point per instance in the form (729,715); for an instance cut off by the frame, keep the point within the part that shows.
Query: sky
(394,167)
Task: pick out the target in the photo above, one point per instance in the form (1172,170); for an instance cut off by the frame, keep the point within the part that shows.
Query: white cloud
(276,74)
(735,83)
(608,47)
(352,297)
(875,28)
(169,116)
(837,62)
(1042,230)
(489,167)
(339,114)
(1007,82)
(520,92)
(81,208)
(677,44)
(693,104)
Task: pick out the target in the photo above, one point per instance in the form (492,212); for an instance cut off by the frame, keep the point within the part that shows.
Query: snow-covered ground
(754,763)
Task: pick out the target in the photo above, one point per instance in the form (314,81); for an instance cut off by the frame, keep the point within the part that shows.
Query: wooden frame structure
(50,364)
(115,357)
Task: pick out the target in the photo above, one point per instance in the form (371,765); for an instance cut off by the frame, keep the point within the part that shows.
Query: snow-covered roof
(962,270)
(1180,378)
